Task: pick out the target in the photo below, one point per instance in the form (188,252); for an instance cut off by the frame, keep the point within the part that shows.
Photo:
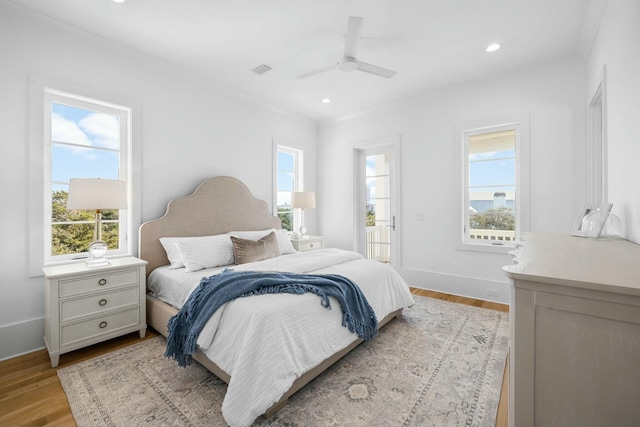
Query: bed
(264,347)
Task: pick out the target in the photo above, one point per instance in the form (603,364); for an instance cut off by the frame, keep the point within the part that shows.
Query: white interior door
(377,200)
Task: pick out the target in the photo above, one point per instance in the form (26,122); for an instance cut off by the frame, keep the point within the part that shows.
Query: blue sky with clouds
(85,144)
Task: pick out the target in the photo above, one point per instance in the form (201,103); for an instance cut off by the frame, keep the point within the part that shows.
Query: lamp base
(299,235)
(98,262)
(97,249)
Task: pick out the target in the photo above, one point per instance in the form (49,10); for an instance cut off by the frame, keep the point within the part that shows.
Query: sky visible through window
(285,171)
(85,144)
(488,169)
(370,165)
(286,178)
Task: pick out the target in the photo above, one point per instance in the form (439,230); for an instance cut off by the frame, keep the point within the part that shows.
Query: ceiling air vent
(261,69)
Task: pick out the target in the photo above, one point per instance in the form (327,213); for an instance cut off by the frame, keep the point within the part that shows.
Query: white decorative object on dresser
(86,305)
(575,332)
(308,243)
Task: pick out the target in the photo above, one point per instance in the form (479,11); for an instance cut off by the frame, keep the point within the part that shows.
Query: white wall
(556,103)
(617,47)
(189,129)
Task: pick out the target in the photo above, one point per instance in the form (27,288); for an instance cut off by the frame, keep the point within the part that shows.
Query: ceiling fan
(349,62)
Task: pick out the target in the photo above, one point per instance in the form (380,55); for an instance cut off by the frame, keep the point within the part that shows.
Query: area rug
(440,364)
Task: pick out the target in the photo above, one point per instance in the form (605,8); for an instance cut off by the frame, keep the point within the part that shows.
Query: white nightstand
(308,243)
(86,305)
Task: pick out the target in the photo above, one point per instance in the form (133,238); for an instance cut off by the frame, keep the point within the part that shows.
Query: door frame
(392,142)
(597,161)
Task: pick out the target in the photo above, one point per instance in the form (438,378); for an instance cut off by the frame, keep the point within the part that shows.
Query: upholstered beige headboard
(217,206)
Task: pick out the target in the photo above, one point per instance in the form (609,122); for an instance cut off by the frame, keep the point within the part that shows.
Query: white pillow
(206,252)
(171,248)
(284,241)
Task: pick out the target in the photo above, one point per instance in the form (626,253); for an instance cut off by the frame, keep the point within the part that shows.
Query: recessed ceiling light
(326,101)
(493,47)
(119,1)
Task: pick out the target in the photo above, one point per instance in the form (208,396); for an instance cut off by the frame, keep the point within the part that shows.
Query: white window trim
(299,179)
(39,167)
(520,123)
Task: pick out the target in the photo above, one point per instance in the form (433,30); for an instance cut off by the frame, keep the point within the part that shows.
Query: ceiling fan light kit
(348,64)
(349,61)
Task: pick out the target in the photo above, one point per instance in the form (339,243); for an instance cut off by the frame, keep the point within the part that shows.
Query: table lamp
(97,194)
(302,200)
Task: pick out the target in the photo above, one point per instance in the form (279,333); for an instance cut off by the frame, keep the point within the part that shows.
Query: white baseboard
(21,338)
(471,287)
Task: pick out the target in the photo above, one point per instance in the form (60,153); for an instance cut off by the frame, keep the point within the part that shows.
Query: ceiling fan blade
(374,69)
(353,36)
(318,71)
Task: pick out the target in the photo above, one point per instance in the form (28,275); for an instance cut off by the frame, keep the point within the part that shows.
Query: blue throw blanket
(214,291)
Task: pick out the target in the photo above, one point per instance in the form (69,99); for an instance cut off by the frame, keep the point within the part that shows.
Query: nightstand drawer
(71,309)
(98,282)
(308,246)
(308,243)
(88,329)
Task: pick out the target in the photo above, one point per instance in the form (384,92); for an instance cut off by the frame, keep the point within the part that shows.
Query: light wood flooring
(31,394)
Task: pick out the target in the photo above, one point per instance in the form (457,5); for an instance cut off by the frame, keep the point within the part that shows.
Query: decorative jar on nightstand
(308,243)
(86,305)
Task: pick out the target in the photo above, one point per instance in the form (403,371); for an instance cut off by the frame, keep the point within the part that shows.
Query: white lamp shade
(96,194)
(303,199)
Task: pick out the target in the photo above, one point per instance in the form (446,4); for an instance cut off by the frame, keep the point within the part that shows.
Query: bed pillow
(206,252)
(247,250)
(284,241)
(173,253)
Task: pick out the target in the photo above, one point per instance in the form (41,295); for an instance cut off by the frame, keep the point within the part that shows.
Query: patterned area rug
(441,364)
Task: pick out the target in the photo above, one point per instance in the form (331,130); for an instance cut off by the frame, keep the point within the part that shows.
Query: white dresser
(575,332)
(85,305)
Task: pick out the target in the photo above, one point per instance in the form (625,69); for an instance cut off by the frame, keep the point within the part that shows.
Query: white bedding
(266,342)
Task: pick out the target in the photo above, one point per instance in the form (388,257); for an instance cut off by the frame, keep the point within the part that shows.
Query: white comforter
(266,342)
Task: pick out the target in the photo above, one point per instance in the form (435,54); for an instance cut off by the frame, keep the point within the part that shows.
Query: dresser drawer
(73,308)
(89,329)
(98,282)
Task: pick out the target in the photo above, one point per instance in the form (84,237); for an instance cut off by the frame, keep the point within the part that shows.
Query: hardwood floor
(31,394)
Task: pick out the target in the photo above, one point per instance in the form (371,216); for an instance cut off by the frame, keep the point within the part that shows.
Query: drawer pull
(103,324)
(102,282)
(310,245)
(102,302)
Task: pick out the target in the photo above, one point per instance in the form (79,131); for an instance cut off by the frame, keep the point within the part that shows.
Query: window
(378,223)
(84,138)
(492,190)
(288,180)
